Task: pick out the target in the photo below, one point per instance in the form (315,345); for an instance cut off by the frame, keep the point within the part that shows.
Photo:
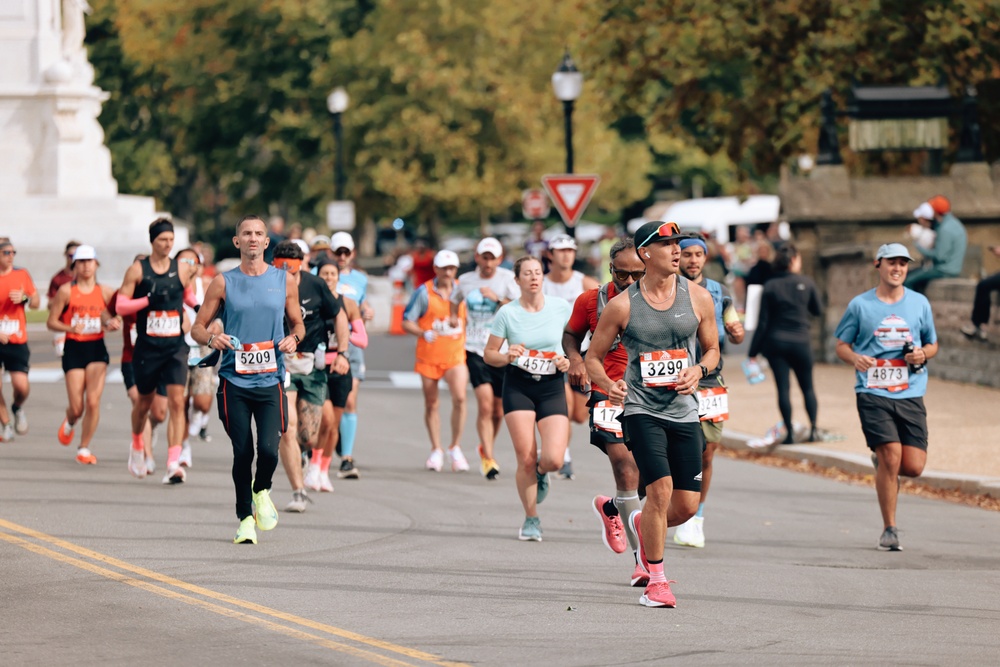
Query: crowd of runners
(282,345)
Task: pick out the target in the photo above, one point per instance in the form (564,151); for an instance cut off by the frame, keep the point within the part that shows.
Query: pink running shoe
(657,594)
(641,576)
(613,532)
(634,522)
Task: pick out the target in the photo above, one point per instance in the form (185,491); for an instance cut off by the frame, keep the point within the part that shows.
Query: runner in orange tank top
(16,291)
(80,310)
(440,354)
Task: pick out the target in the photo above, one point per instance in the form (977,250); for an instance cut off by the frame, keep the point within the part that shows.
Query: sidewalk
(961,418)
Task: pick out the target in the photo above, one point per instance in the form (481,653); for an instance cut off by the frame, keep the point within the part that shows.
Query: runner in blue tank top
(660,319)
(253,301)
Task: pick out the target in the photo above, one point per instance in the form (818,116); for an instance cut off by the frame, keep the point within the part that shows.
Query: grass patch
(36,316)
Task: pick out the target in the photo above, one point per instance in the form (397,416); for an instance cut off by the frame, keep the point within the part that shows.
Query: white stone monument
(55,171)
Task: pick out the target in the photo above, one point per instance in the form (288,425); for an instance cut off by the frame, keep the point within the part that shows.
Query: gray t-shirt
(481,311)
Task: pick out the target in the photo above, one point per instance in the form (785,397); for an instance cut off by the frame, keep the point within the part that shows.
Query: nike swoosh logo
(171,275)
(305,301)
(678,314)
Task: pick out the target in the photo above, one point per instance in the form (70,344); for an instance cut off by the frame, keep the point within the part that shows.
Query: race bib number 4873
(163,323)
(255,358)
(661,368)
(890,374)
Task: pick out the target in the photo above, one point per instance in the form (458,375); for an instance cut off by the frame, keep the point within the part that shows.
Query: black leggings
(268,407)
(796,357)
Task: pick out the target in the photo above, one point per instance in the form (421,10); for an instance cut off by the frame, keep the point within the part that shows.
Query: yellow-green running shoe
(265,512)
(246,533)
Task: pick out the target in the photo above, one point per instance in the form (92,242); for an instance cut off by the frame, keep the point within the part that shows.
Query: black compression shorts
(544,397)
(663,448)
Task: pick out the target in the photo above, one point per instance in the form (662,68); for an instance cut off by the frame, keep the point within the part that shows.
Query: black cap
(651,232)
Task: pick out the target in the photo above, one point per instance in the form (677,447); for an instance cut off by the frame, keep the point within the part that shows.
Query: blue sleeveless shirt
(254,312)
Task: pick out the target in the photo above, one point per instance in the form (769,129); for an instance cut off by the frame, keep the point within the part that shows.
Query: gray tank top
(651,330)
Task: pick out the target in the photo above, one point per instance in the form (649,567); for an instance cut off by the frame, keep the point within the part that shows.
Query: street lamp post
(337,103)
(567,83)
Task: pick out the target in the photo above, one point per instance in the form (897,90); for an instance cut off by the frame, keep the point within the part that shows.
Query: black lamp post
(567,82)
(337,103)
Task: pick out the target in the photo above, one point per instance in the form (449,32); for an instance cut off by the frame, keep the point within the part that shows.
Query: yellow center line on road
(220,597)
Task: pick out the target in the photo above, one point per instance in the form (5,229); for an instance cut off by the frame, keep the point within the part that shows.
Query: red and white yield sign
(571,193)
(534,204)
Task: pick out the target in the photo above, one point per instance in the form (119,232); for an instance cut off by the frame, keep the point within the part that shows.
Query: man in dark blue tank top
(660,319)
(153,290)
(253,300)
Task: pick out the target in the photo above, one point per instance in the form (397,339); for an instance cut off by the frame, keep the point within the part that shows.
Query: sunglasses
(667,229)
(188,260)
(340,252)
(10,252)
(622,276)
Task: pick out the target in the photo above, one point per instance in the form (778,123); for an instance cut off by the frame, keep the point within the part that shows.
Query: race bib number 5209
(661,368)
(256,358)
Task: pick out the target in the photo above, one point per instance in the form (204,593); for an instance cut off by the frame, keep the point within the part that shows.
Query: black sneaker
(347,470)
(203,434)
(890,540)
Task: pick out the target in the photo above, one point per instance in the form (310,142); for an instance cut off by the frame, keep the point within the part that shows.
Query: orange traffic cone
(398,305)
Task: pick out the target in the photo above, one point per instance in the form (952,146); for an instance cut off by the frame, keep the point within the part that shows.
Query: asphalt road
(406,566)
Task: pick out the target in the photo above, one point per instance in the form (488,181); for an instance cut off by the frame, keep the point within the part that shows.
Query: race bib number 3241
(661,368)
(713,404)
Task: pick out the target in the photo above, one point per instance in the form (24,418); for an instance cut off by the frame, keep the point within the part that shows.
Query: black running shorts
(545,397)
(482,373)
(79,354)
(339,386)
(599,437)
(153,366)
(663,448)
(884,419)
(15,358)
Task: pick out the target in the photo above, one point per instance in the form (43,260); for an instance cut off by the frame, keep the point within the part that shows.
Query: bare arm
(493,356)
(571,342)
(293,311)
(214,296)
(56,307)
(847,354)
(612,322)
(708,339)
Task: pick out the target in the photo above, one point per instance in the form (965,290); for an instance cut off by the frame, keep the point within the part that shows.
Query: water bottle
(319,358)
(907,349)
(753,371)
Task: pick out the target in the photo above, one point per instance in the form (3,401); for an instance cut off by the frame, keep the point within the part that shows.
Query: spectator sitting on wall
(948,253)
(981,305)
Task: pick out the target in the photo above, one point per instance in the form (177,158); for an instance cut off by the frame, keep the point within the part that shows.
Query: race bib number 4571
(661,368)
(256,358)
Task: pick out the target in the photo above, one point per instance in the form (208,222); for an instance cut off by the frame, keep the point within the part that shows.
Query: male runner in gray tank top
(658,319)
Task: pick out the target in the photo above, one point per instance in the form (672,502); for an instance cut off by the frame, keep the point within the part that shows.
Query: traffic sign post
(571,193)
(534,204)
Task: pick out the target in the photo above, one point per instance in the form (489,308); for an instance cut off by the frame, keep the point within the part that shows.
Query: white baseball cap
(303,245)
(445,258)
(924,212)
(489,245)
(342,240)
(84,252)
(562,242)
(890,250)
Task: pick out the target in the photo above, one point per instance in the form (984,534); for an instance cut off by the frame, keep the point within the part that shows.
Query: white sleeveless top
(568,290)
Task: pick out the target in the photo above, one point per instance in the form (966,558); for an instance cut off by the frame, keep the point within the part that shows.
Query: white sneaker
(435,461)
(150,465)
(7,432)
(175,475)
(458,462)
(137,463)
(691,533)
(312,478)
(185,457)
(20,422)
(298,502)
(325,484)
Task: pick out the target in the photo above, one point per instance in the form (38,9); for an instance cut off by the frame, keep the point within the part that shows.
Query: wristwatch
(704,370)
(210,339)
(296,337)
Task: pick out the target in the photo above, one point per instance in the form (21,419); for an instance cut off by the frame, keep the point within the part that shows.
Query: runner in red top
(79,309)
(63,276)
(605,430)
(16,291)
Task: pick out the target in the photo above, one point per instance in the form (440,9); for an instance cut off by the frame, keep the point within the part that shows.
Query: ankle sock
(656,572)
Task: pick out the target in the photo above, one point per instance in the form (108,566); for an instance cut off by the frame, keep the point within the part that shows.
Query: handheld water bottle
(319,359)
(753,371)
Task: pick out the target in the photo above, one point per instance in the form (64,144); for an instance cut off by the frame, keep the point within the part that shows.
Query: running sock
(627,502)
(610,509)
(700,512)
(317,456)
(173,454)
(656,572)
(566,457)
(324,463)
(348,431)
(137,442)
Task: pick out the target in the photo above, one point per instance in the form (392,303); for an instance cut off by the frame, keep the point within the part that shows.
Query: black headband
(158,228)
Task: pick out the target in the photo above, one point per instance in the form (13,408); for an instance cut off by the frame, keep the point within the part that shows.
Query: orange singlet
(85,307)
(448,350)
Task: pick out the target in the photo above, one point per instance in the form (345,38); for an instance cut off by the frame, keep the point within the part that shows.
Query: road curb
(858,463)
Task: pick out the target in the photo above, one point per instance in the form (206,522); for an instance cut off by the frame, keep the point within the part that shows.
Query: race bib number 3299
(661,368)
